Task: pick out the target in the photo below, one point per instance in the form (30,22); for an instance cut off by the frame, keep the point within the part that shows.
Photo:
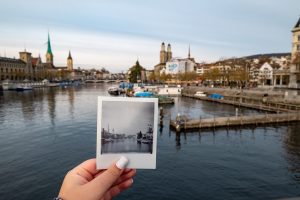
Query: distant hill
(267,55)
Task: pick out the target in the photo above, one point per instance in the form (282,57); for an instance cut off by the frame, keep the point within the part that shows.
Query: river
(46,132)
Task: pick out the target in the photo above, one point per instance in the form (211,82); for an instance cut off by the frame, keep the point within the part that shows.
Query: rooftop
(11,60)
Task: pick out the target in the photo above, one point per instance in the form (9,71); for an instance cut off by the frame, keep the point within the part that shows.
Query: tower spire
(49,45)
(69,57)
(189,55)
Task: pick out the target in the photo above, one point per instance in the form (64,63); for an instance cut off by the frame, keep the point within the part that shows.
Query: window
(298,38)
(298,47)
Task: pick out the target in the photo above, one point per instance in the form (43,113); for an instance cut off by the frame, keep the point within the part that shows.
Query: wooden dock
(249,102)
(185,124)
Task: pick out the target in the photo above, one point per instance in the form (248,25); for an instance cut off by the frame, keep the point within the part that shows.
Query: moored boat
(113,90)
(23,88)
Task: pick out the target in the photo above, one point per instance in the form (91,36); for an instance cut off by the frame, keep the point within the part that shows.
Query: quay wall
(234,121)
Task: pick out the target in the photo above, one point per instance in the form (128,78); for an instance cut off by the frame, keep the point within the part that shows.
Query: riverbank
(274,95)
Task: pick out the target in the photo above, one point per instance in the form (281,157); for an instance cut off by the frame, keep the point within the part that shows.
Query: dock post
(161,114)
(227,121)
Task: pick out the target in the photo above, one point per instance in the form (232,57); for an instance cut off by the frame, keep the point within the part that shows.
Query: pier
(251,102)
(185,124)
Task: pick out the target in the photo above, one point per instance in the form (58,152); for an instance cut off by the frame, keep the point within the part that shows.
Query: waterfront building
(12,69)
(265,74)
(294,81)
(296,40)
(179,65)
(32,68)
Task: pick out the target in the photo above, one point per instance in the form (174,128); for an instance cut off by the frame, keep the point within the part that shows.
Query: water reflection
(51,95)
(71,94)
(292,147)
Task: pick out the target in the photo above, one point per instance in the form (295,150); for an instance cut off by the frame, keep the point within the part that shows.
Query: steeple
(49,45)
(296,40)
(69,57)
(297,24)
(49,54)
(189,55)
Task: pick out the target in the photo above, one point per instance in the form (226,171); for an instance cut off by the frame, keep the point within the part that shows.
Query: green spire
(49,45)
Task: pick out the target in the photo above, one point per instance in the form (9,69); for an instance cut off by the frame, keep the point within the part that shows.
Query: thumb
(103,182)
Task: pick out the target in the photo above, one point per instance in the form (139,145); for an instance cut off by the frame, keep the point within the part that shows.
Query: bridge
(104,81)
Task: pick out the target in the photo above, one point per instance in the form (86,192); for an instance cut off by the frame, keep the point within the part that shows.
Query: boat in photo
(148,136)
(139,137)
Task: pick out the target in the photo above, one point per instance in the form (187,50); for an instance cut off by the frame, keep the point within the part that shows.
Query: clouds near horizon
(115,33)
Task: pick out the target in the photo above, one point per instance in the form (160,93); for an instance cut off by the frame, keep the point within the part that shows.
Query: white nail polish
(121,164)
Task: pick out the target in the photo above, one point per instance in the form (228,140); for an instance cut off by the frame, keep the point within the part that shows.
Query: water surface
(46,132)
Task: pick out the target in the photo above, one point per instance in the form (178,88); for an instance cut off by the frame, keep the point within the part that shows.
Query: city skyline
(115,34)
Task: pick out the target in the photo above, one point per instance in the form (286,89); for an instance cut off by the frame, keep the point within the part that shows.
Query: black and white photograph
(127,126)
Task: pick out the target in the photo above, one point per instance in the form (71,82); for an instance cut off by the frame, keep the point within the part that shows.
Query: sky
(115,114)
(115,33)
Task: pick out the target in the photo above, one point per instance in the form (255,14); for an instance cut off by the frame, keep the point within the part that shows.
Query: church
(164,57)
(32,68)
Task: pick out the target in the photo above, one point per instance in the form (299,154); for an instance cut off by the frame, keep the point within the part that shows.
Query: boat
(143,94)
(8,85)
(113,90)
(139,137)
(23,88)
(200,94)
(148,136)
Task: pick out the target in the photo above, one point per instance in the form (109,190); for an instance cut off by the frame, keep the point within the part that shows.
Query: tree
(212,74)
(135,72)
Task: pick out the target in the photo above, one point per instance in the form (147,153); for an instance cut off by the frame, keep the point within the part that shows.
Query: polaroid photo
(127,127)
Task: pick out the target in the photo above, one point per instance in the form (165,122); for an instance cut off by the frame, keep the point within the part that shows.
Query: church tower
(70,62)
(169,52)
(49,55)
(163,53)
(296,40)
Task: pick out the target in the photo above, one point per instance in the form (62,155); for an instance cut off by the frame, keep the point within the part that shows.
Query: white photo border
(136,160)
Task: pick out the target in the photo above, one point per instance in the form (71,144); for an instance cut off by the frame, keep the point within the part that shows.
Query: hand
(88,183)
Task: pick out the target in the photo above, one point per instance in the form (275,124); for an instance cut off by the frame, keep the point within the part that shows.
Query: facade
(12,69)
(296,40)
(32,68)
(164,56)
(179,65)
(294,81)
(266,74)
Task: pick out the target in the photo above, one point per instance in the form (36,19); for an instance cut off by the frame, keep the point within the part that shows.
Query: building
(12,69)
(294,81)
(32,68)
(179,65)
(164,57)
(265,76)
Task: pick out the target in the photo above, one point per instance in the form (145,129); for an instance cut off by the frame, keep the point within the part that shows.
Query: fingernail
(121,164)
(131,180)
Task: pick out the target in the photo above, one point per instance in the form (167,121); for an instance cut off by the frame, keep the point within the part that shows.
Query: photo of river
(126,126)
(46,132)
